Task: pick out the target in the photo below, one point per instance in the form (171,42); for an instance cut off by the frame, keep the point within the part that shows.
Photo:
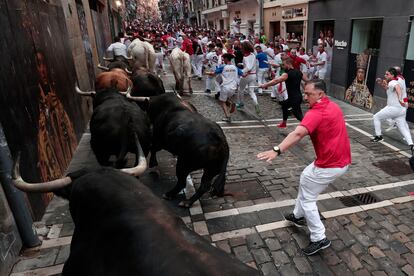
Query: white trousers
(313,181)
(261,77)
(249,81)
(398,115)
(210,83)
(197,64)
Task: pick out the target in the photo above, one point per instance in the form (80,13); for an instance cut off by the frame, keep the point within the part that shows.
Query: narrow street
(371,234)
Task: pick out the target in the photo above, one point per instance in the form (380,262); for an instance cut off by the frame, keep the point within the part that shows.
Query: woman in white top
(395,109)
(249,75)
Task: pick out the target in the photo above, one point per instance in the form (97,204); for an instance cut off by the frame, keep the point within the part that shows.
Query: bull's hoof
(191,91)
(185,204)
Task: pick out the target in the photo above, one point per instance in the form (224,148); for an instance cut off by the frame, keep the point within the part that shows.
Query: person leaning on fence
(324,123)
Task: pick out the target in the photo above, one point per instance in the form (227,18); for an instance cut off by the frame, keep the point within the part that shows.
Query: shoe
(232,107)
(412,148)
(199,78)
(257,108)
(217,96)
(282,125)
(377,138)
(208,91)
(314,247)
(240,105)
(226,119)
(299,222)
(273,99)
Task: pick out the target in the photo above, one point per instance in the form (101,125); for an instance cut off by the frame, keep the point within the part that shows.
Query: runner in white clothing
(211,63)
(396,108)
(249,75)
(321,64)
(230,76)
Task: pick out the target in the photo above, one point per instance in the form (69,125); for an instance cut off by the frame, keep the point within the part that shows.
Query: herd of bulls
(121,227)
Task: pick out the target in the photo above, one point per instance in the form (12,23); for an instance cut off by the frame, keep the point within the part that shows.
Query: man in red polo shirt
(325,125)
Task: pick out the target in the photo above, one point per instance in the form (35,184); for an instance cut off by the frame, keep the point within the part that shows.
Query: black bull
(117,126)
(197,142)
(122,228)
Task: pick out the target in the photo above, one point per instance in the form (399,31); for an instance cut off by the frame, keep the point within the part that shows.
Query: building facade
(286,19)
(366,37)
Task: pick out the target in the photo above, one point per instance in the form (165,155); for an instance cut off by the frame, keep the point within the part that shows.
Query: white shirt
(322,57)
(212,59)
(304,67)
(277,60)
(118,49)
(401,82)
(249,64)
(392,97)
(230,76)
(270,52)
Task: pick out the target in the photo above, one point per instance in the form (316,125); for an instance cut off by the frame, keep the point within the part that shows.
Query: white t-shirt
(230,75)
(249,64)
(392,97)
(322,57)
(304,67)
(118,49)
(277,60)
(270,52)
(401,82)
(213,60)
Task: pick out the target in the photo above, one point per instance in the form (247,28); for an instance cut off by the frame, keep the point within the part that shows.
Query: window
(410,48)
(366,34)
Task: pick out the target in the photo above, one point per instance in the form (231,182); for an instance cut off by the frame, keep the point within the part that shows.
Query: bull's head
(59,184)
(93,92)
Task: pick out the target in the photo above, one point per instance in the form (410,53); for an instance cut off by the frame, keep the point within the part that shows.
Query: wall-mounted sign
(341,44)
(292,13)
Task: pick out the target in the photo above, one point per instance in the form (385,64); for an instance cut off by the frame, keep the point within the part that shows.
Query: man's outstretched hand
(268,156)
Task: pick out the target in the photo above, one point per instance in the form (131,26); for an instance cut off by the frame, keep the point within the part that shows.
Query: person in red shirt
(324,123)
(297,61)
(187,45)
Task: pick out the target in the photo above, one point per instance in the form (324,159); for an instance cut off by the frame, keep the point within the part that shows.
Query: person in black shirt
(238,54)
(292,77)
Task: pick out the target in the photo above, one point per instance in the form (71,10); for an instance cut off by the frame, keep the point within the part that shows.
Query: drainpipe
(15,197)
(260,16)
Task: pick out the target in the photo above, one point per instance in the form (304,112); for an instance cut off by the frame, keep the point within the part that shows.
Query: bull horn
(103,67)
(126,92)
(128,72)
(140,168)
(107,59)
(129,58)
(137,99)
(44,187)
(84,93)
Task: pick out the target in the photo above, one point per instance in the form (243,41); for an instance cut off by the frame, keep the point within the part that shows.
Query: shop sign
(340,44)
(292,13)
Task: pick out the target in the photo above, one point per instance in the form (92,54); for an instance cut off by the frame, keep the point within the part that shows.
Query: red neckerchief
(400,76)
(246,54)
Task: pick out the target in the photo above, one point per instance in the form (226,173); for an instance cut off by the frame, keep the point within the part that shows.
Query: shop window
(366,35)
(410,48)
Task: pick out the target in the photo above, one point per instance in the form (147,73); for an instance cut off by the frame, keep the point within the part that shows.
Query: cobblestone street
(367,239)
